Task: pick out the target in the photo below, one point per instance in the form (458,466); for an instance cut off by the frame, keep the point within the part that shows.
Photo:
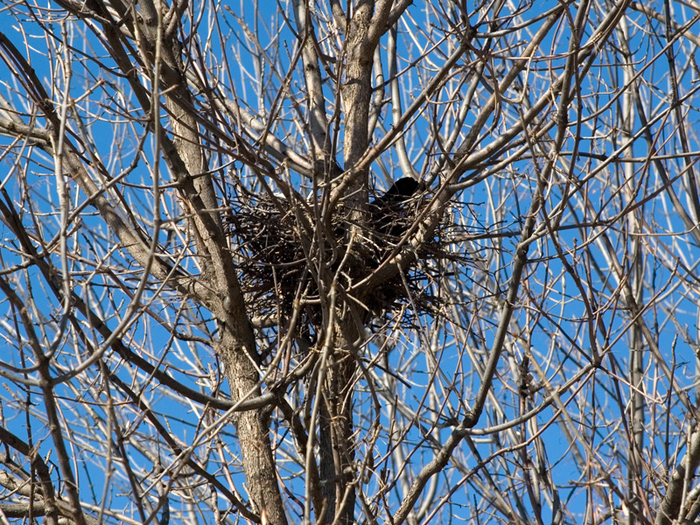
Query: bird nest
(284,256)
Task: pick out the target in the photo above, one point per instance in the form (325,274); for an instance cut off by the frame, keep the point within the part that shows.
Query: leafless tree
(375,261)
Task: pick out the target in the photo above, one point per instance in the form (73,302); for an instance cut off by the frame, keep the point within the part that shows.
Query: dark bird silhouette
(391,215)
(401,190)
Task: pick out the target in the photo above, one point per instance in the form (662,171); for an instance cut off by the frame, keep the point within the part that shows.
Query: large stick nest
(283,246)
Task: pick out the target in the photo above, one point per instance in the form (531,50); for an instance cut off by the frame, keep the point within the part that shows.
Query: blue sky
(494,209)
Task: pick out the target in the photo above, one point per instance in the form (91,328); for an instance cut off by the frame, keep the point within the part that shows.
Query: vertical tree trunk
(337,447)
(252,429)
(363,32)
